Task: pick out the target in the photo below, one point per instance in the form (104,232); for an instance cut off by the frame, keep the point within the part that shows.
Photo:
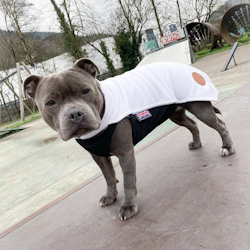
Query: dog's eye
(85,91)
(50,103)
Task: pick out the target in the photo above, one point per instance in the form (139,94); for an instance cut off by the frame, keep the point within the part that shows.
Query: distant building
(151,43)
(172,28)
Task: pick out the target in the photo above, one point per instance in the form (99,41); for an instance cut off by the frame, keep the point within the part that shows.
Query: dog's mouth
(84,131)
(78,131)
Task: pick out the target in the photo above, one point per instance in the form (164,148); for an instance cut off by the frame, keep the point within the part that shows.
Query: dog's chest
(100,144)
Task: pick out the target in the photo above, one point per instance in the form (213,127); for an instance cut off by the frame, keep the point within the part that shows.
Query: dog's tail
(217,111)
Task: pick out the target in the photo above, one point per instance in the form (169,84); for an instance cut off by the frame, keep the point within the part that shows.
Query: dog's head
(70,102)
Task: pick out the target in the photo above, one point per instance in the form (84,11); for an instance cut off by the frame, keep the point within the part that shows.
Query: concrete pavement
(187,199)
(36,167)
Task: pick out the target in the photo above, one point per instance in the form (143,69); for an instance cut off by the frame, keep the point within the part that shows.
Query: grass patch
(206,52)
(245,38)
(18,124)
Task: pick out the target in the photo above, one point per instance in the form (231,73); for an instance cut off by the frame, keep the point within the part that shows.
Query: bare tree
(134,14)
(211,6)
(8,55)
(75,40)
(131,18)
(204,9)
(161,13)
(80,23)
(86,22)
(15,13)
(157,17)
(179,12)
(69,36)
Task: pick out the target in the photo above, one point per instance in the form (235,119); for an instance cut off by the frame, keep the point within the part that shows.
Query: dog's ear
(88,66)
(30,85)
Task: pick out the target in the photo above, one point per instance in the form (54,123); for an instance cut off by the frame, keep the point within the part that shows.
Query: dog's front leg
(108,171)
(129,207)
(122,147)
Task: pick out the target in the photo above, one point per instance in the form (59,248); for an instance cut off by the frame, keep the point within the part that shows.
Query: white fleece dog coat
(151,86)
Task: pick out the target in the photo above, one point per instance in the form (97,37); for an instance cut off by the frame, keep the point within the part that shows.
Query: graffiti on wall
(174,36)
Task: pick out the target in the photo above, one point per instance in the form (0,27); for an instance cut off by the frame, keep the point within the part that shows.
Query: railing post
(20,91)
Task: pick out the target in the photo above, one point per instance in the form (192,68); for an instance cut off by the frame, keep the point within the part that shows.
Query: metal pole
(20,91)
(234,61)
(6,77)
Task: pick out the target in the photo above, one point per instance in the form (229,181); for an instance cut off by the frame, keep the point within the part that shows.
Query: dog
(75,104)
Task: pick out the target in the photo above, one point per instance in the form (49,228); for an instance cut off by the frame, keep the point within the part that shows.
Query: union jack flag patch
(143,115)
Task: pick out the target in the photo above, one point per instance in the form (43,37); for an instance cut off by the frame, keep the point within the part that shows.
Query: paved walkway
(36,167)
(187,199)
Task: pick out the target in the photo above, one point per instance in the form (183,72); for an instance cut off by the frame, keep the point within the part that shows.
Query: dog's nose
(76,115)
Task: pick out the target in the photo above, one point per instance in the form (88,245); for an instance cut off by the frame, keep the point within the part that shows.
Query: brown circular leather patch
(198,78)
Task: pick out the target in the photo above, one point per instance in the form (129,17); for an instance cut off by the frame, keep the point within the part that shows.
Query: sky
(47,20)
(47,16)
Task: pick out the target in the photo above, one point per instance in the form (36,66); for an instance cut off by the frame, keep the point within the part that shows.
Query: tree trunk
(157,18)
(72,29)
(179,11)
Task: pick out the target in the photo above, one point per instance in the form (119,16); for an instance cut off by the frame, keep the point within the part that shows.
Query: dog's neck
(103,108)
(103,100)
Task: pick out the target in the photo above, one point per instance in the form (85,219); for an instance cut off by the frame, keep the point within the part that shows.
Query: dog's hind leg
(205,112)
(180,118)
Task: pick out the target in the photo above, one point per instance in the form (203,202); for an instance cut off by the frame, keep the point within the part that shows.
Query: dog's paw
(194,145)
(227,151)
(106,200)
(128,211)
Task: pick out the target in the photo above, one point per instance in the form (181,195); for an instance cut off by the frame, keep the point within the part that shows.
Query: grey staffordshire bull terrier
(72,103)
